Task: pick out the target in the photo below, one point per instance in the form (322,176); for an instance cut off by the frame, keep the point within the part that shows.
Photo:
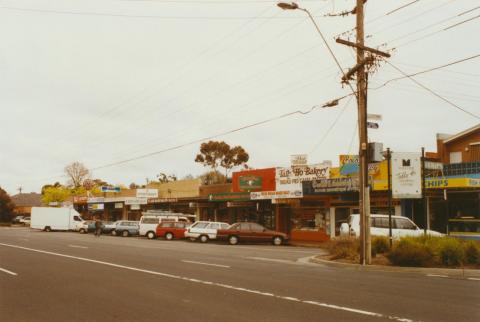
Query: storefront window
(309,218)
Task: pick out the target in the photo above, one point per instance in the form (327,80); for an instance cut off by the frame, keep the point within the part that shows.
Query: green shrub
(410,252)
(472,252)
(347,248)
(451,252)
(380,245)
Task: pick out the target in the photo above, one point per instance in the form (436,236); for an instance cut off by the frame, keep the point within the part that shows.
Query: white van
(51,218)
(379,226)
(149,223)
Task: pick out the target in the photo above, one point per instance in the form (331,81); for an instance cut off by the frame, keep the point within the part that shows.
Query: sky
(103,82)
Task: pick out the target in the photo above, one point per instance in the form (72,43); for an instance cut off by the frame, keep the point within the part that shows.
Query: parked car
(379,226)
(205,230)
(172,230)
(251,232)
(17,219)
(149,222)
(108,227)
(127,228)
(87,226)
(25,221)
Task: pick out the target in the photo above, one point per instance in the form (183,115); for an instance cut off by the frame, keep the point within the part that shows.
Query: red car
(252,232)
(172,229)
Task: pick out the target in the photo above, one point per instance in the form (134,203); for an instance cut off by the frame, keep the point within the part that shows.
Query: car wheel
(114,233)
(125,233)
(168,236)
(277,240)
(82,231)
(203,238)
(233,240)
(151,235)
(48,229)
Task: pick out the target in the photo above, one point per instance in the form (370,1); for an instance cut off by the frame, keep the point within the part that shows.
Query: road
(72,277)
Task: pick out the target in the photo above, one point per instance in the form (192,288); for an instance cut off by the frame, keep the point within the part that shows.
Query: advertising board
(406,175)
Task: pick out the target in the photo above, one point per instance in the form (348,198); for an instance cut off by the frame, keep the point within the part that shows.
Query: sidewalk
(440,272)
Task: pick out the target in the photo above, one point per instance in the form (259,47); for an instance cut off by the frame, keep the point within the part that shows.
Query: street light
(287,6)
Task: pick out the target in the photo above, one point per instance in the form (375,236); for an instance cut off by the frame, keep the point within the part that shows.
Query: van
(149,223)
(51,218)
(379,226)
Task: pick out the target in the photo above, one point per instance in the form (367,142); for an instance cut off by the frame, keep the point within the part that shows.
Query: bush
(409,252)
(347,248)
(451,252)
(380,245)
(472,252)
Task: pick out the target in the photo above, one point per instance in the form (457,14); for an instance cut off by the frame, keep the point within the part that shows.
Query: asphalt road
(73,277)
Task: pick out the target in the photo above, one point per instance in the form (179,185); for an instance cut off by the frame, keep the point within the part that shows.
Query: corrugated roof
(32,199)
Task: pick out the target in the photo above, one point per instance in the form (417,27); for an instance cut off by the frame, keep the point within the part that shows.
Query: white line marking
(8,272)
(474,279)
(193,280)
(436,275)
(276,260)
(76,246)
(201,263)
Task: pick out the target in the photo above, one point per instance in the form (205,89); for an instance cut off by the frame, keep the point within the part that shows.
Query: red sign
(266,182)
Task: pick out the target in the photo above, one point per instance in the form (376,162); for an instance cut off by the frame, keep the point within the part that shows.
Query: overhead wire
(433,92)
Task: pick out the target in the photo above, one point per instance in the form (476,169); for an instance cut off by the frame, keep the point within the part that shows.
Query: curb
(450,272)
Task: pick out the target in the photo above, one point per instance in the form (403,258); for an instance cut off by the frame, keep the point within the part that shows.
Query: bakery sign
(290,179)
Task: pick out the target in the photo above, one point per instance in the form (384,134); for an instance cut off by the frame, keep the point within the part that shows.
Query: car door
(259,233)
(404,227)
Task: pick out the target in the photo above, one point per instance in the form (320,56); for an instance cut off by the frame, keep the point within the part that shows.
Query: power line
(209,137)
(427,70)
(432,92)
(401,7)
(461,23)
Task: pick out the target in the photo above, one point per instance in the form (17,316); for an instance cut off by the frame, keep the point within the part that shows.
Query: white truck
(50,218)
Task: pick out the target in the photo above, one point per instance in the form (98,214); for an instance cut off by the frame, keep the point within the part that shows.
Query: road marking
(474,279)
(275,260)
(76,246)
(436,275)
(25,239)
(8,272)
(231,287)
(201,263)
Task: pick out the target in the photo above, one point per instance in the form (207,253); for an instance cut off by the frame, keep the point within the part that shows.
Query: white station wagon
(401,227)
(205,230)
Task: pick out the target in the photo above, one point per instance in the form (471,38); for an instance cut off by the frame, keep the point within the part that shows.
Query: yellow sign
(442,183)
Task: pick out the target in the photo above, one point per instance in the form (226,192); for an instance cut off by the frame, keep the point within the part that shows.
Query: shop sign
(430,165)
(331,185)
(239,204)
(442,183)
(96,206)
(162,200)
(248,183)
(348,158)
(115,199)
(109,189)
(275,195)
(135,207)
(291,201)
(147,193)
(135,201)
(406,175)
(298,160)
(80,199)
(118,205)
(290,179)
(96,200)
(229,196)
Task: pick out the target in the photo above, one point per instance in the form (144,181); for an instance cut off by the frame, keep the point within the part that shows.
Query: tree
(77,174)
(162,177)
(188,177)
(58,194)
(216,154)
(133,185)
(213,177)
(56,185)
(6,206)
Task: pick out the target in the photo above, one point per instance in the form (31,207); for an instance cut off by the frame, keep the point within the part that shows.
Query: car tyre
(203,238)
(114,233)
(151,235)
(82,231)
(168,236)
(277,240)
(48,229)
(125,233)
(233,240)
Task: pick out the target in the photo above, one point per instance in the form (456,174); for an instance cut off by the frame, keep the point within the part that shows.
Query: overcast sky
(105,81)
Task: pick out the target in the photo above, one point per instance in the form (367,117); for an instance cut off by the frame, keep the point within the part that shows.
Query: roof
(463,133)
(32,199)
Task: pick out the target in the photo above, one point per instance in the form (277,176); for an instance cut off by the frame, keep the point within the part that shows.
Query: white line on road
(474,279)
(8,272)
(275,260)
(201,263)
(76,246)
(436,275)
(193,280)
